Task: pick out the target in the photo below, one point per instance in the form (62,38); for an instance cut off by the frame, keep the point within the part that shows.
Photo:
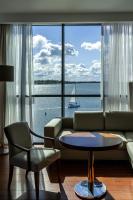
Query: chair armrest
(21,147)
(53,128)
(47,138)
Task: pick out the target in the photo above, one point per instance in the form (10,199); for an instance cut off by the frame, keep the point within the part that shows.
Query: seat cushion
(58,145)
(119,134)
(84,121)
(40,158)
(129,136)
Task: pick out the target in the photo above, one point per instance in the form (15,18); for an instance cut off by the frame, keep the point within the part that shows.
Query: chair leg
(58,171)
(26,174)
(36,177)
(11,167)
(58,164)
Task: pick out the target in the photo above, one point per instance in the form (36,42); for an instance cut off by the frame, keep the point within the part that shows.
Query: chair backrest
(18,133)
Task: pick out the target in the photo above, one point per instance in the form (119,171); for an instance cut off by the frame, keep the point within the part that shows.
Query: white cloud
(70,50)
(48,52)
(47,72)
(95,70)
(39,41)
(42,42)
(91,46)
(78,72)
(47,61)
(73,72)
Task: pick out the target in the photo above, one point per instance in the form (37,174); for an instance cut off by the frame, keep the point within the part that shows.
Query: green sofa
(119,123)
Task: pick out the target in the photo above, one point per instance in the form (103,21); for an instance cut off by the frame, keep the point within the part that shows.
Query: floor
(118,177)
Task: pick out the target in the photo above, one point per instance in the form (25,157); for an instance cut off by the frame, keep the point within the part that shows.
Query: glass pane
(82,59)
(83,104)
(83,88)
(47,59)
(44,109)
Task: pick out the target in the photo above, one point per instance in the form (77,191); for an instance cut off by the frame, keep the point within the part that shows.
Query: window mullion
(62,71)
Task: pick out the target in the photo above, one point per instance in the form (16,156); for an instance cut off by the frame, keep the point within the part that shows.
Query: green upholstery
(67,122)
(18,133)
(119,134)
(84,121)
(52,130)
(29,158)
(129,136)
(119,121)
(63,132)
(40,158)
(53,127)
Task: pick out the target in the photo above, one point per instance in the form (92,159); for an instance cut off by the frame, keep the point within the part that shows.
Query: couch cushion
(119,121)
(58,145)
(67,122)
(129,136)
(84,121)
(119,134)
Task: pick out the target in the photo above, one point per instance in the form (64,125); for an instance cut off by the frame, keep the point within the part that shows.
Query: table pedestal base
(82,190)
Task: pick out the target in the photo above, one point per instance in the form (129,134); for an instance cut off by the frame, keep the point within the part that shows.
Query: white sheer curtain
(19,54)
(117,65)
(3,31)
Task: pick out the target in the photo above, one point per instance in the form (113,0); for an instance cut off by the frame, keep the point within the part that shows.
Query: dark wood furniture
(91,141)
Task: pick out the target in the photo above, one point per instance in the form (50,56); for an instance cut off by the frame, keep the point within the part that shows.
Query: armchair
(22,154)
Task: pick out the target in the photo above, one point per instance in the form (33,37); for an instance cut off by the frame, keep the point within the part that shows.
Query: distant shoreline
(40,82)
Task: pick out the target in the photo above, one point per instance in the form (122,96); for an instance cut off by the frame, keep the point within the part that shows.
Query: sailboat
(73,103)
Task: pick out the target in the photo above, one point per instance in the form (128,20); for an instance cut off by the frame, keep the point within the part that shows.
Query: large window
(82,68)
(67,71)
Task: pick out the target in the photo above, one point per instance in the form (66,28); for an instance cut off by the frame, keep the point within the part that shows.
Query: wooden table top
(91,141)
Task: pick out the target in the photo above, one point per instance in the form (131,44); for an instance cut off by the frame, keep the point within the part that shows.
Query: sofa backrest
(84,121)
(119,121)
(67,123)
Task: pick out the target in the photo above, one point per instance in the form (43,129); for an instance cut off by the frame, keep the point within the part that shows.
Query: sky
(82,52)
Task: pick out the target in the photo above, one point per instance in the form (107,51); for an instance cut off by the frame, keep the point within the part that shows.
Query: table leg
(90,189)
(91,171)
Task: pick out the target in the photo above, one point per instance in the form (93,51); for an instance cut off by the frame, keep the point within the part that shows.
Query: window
(65,81)
(82,68)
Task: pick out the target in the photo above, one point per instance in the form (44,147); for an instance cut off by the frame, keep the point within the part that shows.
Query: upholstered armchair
(22,154)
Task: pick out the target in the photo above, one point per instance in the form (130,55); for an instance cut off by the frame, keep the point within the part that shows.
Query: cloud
(48,52)
(47,72)
(70,50)
(91,46)
(39,41)
(73,72)
(77,72)
(95,69)
(47,61)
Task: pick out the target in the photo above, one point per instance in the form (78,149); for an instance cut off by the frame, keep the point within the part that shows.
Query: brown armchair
(22,154)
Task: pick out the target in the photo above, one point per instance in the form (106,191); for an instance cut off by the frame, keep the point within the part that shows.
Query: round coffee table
(91,141)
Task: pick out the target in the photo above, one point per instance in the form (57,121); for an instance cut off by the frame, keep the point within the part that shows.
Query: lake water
(47,108)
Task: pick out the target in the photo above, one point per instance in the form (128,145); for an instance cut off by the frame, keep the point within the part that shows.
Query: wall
(66,17)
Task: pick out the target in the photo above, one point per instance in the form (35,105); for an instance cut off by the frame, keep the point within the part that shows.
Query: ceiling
(64,6)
